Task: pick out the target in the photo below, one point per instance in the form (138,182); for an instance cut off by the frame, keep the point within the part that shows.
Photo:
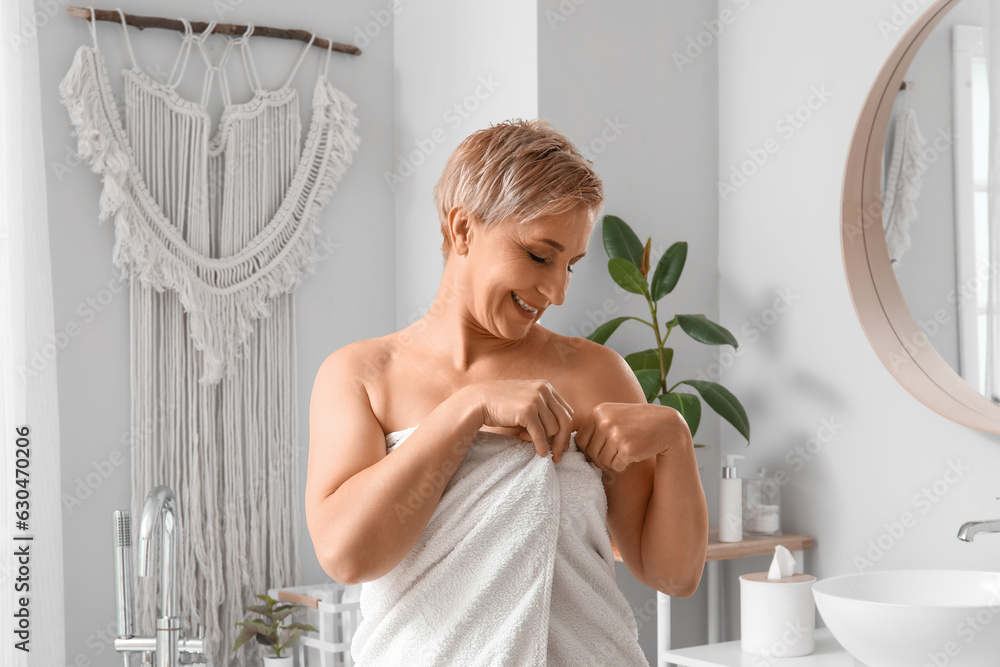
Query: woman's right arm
(366,510)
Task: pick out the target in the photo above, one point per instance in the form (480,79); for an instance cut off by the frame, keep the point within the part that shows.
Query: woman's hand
(616,435)
(532,405)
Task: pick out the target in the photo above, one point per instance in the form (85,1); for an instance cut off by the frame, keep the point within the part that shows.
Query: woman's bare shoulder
(354,358)
(579,352)
(595,372)
(344,357)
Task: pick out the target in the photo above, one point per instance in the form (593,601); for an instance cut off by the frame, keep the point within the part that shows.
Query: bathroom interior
(726,124)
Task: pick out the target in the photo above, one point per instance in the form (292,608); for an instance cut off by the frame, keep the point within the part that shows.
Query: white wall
(781,231)
(609,81)
(459,67)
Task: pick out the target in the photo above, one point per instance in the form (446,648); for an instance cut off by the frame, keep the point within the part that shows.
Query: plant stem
(659,342)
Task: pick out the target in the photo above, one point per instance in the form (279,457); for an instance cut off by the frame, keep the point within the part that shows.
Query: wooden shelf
(750,546)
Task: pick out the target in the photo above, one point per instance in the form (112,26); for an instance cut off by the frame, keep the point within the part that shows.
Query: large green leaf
(647,359)
(626,274)
(723,402)
(688,405)
(603,332)
(706,331)
(668,270)
(620,240)
(650,381)
(650,359)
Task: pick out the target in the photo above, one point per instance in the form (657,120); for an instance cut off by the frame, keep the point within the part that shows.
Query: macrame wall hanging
(214,233)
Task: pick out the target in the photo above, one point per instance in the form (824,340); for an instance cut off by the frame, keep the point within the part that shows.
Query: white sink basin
(913,618)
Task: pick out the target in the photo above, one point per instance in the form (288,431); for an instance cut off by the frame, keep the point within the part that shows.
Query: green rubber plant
(629,267)
(269,630)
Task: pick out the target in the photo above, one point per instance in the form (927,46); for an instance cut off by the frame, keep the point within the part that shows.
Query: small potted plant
(629,267)
(270,631)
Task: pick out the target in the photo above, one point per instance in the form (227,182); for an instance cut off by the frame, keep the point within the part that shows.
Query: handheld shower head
(123,571)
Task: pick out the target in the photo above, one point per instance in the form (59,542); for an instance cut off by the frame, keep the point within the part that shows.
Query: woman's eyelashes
(542,260)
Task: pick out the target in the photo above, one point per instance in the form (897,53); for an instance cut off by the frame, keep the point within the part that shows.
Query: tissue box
(777,616)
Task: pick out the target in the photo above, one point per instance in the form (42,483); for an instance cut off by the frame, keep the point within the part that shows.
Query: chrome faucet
(161,503)
(158,511)
(970,529)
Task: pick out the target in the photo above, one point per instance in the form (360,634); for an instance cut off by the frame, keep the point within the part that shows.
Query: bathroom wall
(879,479)
(350,296)
(459,67)
(616,78)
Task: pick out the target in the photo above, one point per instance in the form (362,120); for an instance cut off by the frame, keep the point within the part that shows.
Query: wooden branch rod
(141,22)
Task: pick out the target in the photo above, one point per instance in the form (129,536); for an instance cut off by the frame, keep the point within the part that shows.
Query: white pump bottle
(731,501)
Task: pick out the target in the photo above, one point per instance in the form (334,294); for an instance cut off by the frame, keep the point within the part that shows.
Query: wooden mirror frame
(897,339)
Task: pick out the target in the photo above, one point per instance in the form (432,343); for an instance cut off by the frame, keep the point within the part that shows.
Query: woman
(464,499)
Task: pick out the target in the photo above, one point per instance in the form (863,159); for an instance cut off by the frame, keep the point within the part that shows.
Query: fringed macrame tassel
(214,240)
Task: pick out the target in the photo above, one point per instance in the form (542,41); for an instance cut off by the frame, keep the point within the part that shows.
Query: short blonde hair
(522,169)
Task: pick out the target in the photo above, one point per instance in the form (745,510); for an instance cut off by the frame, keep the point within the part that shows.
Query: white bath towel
(901,182)
(515,567)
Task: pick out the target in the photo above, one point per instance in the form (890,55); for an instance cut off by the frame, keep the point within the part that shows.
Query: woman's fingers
(561,444)
(547,408)
(594,447)
(556,415)
(537,432)
(534,406)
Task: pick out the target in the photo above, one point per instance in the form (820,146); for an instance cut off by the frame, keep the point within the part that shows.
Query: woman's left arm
(657,514)
(675,528)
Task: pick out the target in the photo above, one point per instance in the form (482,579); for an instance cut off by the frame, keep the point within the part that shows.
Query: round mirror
(916,231)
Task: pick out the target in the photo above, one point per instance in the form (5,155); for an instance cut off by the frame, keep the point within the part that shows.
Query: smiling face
(532,260)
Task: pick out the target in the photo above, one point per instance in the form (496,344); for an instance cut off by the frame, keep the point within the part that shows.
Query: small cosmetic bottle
(761,508)
(730,496)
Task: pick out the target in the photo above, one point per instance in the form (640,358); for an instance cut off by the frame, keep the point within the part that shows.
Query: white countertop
(828,653)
